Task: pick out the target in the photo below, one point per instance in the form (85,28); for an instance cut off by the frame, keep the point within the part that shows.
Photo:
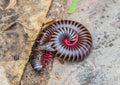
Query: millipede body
(67,39)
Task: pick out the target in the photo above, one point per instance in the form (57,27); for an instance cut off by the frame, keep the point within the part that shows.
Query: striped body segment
(70,40)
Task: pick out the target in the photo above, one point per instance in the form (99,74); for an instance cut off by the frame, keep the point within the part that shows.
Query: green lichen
(73,7)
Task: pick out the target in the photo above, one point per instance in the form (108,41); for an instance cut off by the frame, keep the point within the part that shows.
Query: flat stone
(13,71)
(33,13)
(18,38)
(3,76)
(102,66)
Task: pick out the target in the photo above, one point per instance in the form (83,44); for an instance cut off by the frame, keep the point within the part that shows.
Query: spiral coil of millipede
(68,40)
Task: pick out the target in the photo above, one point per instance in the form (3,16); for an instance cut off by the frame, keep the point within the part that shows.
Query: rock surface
(101,17)
(102,67)
(19,28)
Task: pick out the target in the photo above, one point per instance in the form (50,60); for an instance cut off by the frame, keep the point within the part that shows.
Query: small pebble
(16,57)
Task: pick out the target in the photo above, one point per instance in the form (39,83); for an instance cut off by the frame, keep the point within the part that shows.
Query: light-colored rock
(3,79)
(13,71)
(102,67)
(33,13)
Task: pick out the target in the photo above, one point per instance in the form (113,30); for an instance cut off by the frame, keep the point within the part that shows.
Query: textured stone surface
(102,67)
(101,17)
(13,70)
(19,28)
(3,76)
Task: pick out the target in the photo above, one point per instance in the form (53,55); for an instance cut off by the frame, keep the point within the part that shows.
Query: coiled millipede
(67,39)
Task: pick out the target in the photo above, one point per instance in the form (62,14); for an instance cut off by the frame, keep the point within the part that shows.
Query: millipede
(67,39)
